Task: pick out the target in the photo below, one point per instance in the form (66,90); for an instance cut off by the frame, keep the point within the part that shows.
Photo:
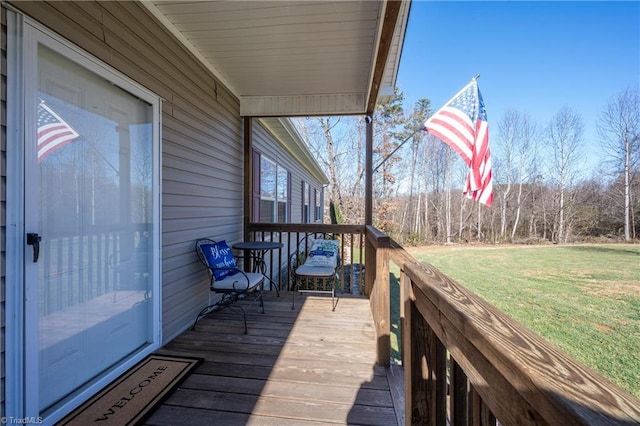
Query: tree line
(543,191)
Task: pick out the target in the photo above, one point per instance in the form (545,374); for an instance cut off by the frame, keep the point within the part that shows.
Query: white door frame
(23,34)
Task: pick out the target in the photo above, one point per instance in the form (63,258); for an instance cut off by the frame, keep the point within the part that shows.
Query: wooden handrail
(519,377)
(306,227)
(377,237)
(399,255)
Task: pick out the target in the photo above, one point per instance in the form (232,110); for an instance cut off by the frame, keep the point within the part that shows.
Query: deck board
(306,366)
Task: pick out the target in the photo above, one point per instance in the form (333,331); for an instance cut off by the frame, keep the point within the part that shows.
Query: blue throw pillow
(219,255)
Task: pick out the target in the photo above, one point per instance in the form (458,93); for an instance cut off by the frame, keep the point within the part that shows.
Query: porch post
(248,176)
(368,196)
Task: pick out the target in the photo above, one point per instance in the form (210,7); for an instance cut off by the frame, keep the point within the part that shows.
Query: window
(267,190)
(305,203)
(318,208)
(282,195)
(274,192)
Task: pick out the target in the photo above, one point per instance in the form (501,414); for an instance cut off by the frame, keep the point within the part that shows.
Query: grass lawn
(585,299)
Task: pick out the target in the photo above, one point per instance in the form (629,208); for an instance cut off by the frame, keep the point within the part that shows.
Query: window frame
(318,205)
(277,198)
(306,202)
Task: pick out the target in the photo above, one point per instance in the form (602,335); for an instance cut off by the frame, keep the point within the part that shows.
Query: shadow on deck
(304,366)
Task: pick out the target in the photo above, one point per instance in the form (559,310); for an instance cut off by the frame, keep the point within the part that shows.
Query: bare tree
(564,138)
(525,163)
(540,194)
(409,205)
(327,124)
(336,144)
(426,200)
(619,131)
(507,138)
(516,157)
(415,122)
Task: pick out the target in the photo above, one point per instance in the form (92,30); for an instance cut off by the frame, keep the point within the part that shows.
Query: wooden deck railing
(468,363)
(79,267)
(465,362)
(351,276)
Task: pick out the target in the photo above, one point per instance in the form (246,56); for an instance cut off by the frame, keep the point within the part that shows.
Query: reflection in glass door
(91,176)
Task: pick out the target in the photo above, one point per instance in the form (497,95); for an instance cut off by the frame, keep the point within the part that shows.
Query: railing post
(425,370)
(404,284)
(381,299)
(415,381)
(459,395)
(437,384)
(407,351)
(368,176)
(370,265)
(377,260)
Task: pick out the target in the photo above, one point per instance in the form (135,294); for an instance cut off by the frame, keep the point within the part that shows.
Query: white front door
(91,215)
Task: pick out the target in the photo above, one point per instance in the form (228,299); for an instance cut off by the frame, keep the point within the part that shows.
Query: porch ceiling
(287,58)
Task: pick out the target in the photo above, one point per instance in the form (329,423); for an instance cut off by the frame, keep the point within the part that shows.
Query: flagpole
(101,155)
(473,80)
(394,151)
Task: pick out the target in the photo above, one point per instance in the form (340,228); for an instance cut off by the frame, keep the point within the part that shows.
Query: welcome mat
(131,397)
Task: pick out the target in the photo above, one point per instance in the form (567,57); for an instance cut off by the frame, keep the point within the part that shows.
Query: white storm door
(92,223)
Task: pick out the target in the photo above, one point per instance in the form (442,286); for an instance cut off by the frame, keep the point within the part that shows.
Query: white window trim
(23,34)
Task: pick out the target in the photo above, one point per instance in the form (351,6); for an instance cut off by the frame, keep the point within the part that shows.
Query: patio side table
(258,250)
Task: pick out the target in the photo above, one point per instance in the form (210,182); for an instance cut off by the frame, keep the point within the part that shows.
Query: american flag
(462,124)
(53,131)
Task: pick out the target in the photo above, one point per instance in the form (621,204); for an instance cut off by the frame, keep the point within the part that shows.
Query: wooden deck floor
(295,367)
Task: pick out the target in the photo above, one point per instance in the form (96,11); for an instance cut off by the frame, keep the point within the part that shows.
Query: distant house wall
(268,145)
(278,150)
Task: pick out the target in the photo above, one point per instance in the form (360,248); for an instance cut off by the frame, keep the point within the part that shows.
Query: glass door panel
(93,203)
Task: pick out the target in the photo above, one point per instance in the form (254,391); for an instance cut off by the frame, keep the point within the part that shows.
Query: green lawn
(583,298)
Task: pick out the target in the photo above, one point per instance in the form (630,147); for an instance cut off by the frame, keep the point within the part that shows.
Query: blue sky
(533,56)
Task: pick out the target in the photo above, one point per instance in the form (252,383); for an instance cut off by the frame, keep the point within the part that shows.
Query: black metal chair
(314,266)
(227,279)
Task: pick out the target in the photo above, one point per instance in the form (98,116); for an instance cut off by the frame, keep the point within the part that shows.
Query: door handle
(34,239)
